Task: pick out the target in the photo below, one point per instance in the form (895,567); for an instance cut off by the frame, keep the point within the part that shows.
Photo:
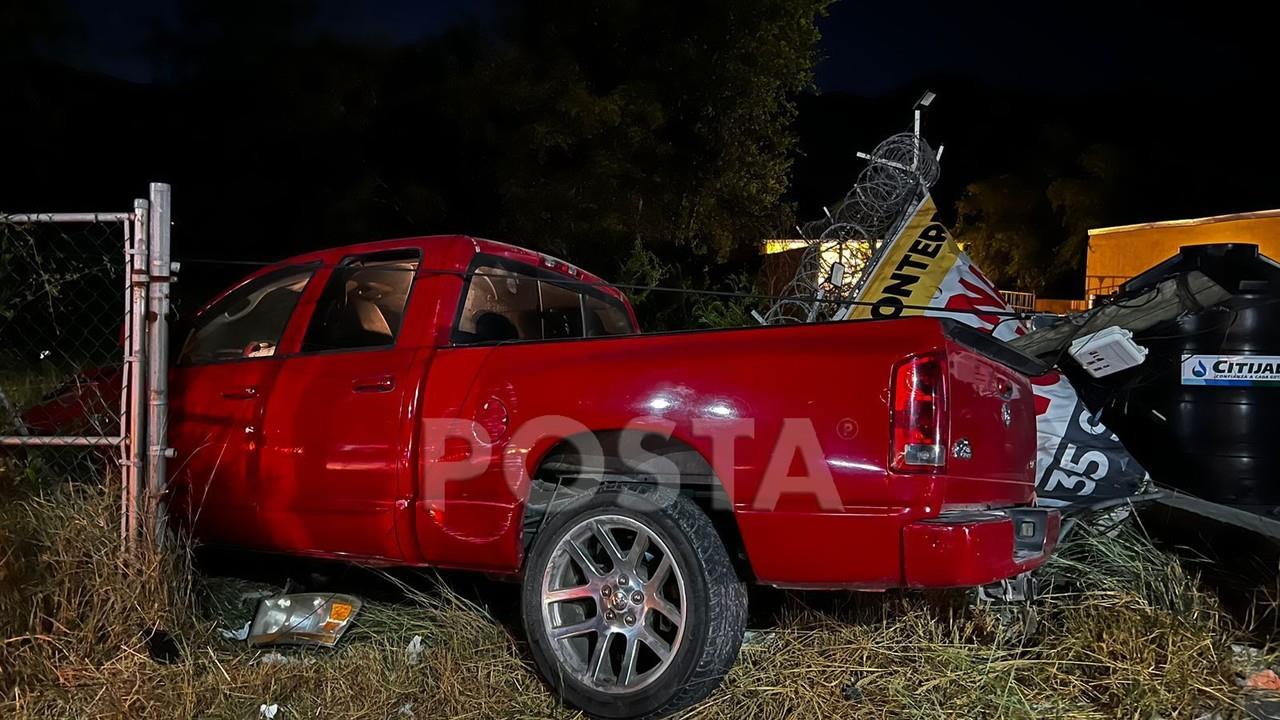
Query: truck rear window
(503,302)
(604,318)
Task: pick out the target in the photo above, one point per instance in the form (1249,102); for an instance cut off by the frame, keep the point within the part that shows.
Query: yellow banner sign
(911,271)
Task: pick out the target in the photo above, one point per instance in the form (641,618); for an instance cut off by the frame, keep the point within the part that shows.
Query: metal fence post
(127,471)
(158,352)
(132,476)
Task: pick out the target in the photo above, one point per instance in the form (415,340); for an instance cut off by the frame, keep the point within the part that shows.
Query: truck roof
(454,253)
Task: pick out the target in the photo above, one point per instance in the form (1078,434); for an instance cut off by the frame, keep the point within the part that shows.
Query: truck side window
(249,321)
(561,312)
(504,304)
(363,302)
(605,318)
(500,305)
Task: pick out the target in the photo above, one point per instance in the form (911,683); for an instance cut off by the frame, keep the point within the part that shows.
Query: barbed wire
(856,231)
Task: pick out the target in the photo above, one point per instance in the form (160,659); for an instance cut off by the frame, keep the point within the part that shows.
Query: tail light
(919,414)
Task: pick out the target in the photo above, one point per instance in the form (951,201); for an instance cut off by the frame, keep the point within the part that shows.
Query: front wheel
(631,605)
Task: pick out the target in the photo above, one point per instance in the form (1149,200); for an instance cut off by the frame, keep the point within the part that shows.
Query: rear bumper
(976,548)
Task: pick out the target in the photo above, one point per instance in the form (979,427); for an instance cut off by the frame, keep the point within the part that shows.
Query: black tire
(714,606)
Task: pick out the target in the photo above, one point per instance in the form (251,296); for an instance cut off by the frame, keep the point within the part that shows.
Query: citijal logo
(1199,370)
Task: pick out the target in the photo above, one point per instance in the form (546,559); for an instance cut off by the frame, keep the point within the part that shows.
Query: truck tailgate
(992,421)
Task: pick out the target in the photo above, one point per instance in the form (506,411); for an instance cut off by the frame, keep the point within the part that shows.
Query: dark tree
(1028,227)
(609,133)
(646,141)
(633,128)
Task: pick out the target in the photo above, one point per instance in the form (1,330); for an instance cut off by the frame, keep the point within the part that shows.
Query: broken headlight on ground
(303,619)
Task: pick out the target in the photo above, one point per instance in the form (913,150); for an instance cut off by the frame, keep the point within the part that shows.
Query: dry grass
(1125,634)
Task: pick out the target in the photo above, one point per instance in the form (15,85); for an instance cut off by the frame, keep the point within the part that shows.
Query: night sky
(1183,91)
(870,48)
(116,32)
(1177,81)
(1067,49)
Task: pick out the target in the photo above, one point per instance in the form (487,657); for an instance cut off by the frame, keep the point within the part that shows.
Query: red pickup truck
(456,402)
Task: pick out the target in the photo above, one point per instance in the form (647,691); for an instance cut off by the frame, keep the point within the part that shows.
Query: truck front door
(222,378)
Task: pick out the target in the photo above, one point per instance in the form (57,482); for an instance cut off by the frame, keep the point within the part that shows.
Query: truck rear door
(335,477)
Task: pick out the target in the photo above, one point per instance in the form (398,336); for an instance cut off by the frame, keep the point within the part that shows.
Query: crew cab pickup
(456,402)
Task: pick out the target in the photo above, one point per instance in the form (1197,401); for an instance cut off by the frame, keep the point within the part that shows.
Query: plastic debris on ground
(240,634)
(414,651)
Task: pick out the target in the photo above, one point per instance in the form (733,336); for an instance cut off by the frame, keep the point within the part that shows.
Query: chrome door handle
(379,383)
(244,393)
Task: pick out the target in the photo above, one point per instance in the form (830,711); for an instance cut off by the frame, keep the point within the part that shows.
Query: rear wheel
(630,603)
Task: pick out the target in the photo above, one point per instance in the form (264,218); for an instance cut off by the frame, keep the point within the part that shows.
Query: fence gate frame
(140,437)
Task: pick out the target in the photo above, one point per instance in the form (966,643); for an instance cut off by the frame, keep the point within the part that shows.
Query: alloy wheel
(613,603)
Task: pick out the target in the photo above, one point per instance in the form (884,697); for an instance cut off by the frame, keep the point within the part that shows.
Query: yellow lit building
(850,253)
(782,258)
(1118,253)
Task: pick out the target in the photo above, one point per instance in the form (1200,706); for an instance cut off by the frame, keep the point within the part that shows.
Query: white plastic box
(1107,351)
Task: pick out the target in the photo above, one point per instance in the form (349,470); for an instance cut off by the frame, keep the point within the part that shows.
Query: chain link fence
(75,336)
(62,315)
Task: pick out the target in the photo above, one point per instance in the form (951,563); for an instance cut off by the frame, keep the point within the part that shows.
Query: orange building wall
(1059,306)
(1117,254)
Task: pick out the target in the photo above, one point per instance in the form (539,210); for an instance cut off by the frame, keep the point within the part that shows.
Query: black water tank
(1218,442)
